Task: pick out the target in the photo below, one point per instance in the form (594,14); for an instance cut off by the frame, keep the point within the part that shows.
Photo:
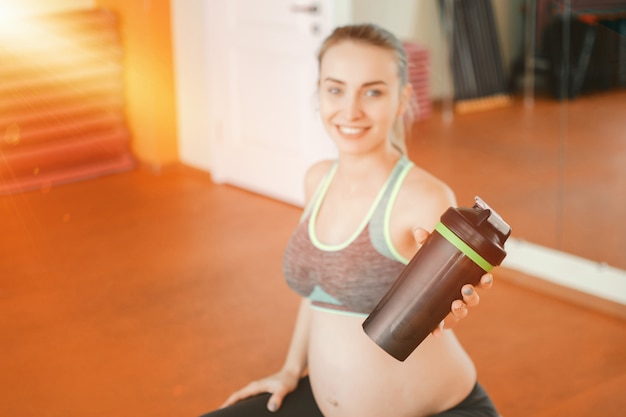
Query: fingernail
(468,291)
(271,407)
(488,279)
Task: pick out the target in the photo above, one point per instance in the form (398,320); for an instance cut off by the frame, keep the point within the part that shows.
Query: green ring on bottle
(463,247)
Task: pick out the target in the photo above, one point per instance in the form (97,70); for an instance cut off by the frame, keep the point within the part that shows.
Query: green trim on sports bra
(347,279)
(339,312)
(320,199)
(388,209)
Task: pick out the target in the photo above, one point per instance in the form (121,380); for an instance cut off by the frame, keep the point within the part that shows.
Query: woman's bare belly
(351,376)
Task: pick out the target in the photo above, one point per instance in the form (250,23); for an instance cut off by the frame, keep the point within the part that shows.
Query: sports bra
(351,277)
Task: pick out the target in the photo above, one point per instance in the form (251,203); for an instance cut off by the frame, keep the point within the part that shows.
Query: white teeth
(350,130)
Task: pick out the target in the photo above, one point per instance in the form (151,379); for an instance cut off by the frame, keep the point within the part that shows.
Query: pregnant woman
(367,213)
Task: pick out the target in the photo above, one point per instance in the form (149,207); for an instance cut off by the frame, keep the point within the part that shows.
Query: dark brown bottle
(465,244)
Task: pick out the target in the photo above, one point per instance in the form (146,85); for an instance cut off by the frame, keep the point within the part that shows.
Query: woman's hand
(470,298)
(459,309)
(279,385)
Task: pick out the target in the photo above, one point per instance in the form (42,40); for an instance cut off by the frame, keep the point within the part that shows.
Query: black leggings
(301,403)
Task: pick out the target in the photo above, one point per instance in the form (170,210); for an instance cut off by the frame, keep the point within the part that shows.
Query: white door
(264,81)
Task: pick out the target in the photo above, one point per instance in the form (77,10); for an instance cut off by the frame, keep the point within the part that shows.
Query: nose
(352,107)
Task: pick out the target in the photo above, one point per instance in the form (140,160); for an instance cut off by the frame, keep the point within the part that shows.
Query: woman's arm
(296,360)
(295,366)
(286,380)
(422,200)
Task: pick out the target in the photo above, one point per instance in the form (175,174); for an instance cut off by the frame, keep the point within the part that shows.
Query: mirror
(553,159)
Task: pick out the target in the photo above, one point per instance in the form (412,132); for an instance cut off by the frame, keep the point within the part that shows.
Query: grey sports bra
(351,277)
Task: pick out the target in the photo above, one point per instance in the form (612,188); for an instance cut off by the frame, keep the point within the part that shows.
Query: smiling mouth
(351,131)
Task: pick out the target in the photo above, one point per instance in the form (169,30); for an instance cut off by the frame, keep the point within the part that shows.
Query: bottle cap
(481,228)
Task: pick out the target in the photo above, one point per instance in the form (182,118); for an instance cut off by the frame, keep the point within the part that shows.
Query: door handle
(309,8)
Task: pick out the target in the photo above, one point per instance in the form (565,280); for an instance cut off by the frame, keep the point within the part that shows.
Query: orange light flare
(44,46)
(60,79)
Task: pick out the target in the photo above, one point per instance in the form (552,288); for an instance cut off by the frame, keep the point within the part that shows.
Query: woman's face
(360,96)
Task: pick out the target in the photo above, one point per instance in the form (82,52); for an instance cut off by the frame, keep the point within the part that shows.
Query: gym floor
(157,294)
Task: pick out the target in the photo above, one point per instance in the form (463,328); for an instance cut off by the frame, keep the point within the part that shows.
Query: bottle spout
(494,218)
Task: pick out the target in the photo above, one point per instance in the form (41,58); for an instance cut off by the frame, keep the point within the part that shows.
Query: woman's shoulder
(314,176)
(424,194)
(419,181)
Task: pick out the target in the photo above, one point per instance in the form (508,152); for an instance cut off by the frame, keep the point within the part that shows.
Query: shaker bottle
(465,244)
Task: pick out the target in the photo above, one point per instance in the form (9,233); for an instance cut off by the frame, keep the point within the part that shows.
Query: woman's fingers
(276,400)
(439,329)
(249,390)
(420,235)
(470,295)
(278,385)
(234,397)
(486,281)
(459,310)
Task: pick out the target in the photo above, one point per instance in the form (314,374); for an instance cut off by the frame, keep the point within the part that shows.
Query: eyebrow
(367,84)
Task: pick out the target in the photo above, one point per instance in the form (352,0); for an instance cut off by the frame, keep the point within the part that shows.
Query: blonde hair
(371,34)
